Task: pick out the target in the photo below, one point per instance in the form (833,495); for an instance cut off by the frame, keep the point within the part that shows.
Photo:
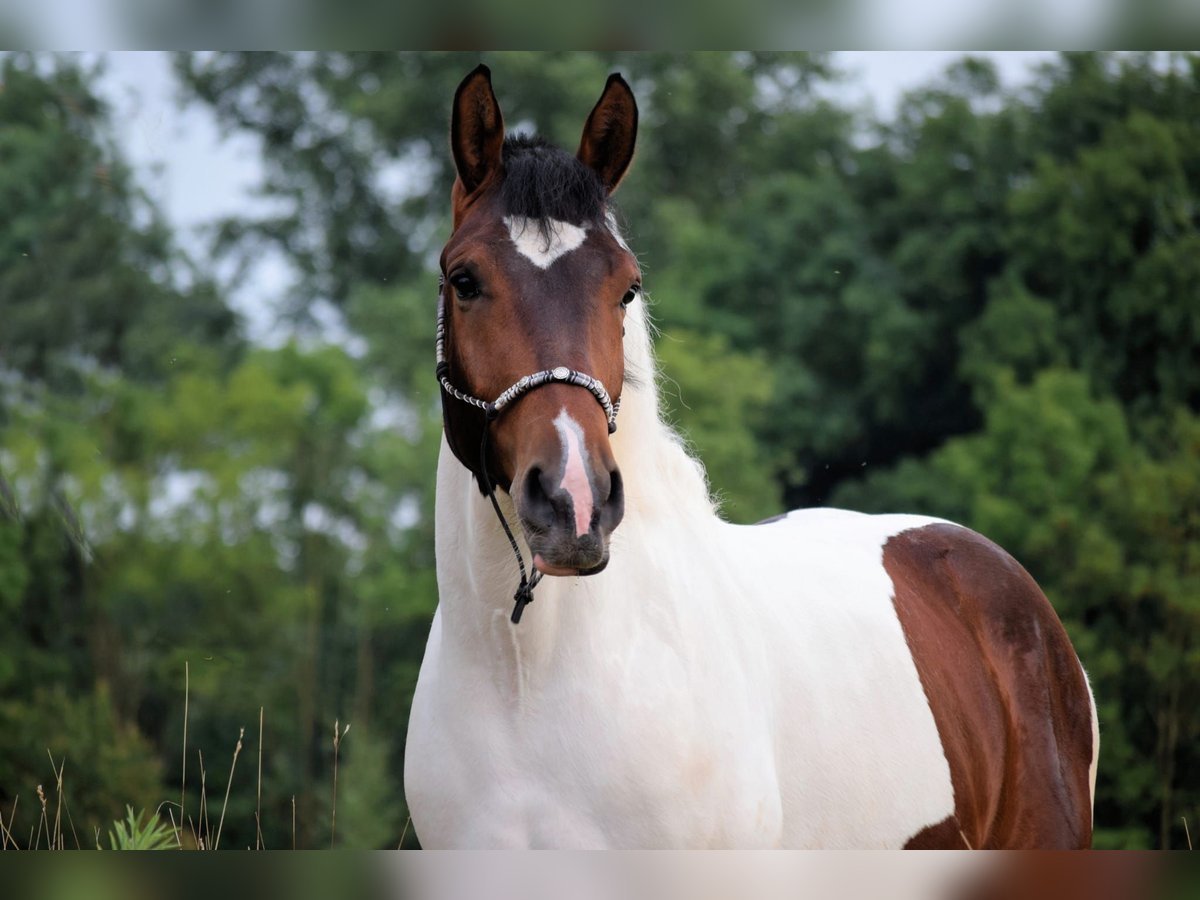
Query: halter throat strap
(491,411)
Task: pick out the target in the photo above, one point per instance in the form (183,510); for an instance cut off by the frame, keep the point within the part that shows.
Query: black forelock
(544,182)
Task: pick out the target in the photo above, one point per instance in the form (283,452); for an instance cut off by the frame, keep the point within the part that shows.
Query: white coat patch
(543,245)
(575,478)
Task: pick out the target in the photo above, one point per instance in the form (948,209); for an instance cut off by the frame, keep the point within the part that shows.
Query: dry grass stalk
(62,805)
(178,829)
(43,822)
(183,778)
(6,836)
(293,821)
(404,833)
(56,839)
(338,734)
(204,831)
(1187,834)
(229,784)
(258,841)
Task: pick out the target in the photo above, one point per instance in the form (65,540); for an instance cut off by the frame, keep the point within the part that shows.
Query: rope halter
(521,386)
(492,410)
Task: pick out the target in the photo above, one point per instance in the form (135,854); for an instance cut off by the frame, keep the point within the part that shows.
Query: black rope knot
(522,598)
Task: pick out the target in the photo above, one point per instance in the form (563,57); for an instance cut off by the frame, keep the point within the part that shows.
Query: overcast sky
(197,175)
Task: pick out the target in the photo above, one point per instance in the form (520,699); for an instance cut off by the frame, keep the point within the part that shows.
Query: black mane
(544,182)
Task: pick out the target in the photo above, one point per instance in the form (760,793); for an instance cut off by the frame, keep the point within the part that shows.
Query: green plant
(133,834)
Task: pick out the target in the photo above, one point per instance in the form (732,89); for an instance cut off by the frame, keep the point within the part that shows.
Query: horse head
(535,285)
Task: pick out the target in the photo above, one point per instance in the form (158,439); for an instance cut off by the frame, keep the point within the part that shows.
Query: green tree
(89,272)
(171,496)
(1113,237)
(90,286)
(710,391)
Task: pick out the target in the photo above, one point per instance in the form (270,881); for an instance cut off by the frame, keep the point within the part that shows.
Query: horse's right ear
(476,129)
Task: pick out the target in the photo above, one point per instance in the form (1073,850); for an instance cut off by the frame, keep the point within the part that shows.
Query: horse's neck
(666,503)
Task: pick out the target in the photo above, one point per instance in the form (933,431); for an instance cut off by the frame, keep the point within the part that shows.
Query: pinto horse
(825,679)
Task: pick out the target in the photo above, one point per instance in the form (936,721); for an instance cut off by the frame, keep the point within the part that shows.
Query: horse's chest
(625,760)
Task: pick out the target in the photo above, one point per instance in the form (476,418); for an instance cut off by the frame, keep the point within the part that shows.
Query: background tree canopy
(986,308)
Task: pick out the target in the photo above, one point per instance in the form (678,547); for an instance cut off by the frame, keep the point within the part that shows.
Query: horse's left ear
(610,133)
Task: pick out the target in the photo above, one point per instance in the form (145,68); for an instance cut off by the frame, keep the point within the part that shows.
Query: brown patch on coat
(1068,876)
(1006,690)
(945,835)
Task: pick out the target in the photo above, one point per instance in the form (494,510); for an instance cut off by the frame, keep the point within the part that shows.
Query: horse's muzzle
(567,524)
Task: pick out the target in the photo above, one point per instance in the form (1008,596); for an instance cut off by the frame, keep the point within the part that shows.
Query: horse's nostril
(616,490)
(546,507)
(614,506)
(538,508)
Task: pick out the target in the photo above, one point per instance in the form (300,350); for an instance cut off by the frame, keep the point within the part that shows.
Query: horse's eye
(464,285)
(631,295)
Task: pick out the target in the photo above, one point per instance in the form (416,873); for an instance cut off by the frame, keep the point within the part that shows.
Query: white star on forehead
(542,241)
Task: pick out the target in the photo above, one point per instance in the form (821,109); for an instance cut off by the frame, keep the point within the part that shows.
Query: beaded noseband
(523,385)
(492,410)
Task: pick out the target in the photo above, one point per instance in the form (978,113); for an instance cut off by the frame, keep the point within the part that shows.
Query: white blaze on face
(543,245)
(575,479)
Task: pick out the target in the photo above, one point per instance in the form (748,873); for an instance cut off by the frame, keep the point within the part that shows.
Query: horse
(826,679)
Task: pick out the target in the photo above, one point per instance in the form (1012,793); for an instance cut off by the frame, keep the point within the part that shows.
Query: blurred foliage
(709,386)
(74,226)
(986,308)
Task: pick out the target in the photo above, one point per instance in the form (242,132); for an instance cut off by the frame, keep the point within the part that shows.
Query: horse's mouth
(562,553)
(547,568)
